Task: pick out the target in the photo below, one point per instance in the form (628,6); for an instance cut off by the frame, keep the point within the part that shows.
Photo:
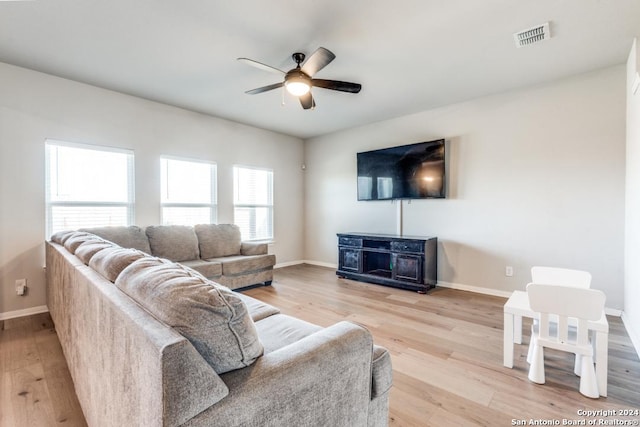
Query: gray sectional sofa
(151,342)
(214,250)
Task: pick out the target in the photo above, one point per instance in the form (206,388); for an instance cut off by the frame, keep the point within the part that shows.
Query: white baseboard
(321,264)
(287,264)
(24,312)
(305,261)
(476,289)
(633,334)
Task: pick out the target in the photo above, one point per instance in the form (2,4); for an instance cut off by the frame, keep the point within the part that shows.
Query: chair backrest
(560,276)
(565,302)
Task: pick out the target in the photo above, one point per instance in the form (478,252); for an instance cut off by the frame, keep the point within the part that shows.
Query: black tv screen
(414,171)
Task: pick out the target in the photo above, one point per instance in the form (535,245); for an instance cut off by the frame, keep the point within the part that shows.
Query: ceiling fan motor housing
(297,75)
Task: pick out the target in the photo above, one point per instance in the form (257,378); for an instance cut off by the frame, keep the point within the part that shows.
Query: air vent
(532,35)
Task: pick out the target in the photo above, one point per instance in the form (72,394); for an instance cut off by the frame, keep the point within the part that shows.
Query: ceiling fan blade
(337,85)
(317,61)
(264,88)
(307,101)
(261,65)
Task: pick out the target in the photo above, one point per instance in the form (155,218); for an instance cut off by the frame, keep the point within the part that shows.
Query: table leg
(602,361)
(508,339)
(517,329)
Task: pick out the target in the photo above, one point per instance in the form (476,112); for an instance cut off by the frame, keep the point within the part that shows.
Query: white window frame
(212,206)
(240,204)
(129,205)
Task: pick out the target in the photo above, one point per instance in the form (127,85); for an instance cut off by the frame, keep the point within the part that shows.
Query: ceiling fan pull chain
(283,88)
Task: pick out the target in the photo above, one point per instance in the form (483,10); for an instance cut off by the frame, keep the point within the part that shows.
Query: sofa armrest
(253,248)
(382,375)
(322,379)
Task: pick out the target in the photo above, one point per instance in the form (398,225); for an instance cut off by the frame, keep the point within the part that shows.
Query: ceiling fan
(299,80)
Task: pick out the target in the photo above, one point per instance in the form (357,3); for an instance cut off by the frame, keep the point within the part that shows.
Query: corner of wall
(633,333)
(631,314)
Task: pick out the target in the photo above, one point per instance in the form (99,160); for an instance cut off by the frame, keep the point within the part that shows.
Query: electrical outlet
(508,271)
(21,286)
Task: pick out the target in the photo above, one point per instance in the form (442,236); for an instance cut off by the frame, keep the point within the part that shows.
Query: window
(87,186)
(253,202)
(188,192)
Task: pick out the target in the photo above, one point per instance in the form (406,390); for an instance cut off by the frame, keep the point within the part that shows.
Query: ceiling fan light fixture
(297,86)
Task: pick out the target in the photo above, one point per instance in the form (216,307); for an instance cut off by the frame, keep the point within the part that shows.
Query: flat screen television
(414,171)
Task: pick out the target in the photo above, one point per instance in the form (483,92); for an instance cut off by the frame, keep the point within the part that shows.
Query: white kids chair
(563,277)
(565,302)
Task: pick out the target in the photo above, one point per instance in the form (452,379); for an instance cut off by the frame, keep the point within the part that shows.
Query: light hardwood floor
(446,350)
(35,385)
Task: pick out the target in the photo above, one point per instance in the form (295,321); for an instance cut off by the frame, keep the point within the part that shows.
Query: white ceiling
(409,55)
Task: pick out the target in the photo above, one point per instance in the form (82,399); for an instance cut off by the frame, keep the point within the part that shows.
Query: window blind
(87,186)
(253,202)
(188,191)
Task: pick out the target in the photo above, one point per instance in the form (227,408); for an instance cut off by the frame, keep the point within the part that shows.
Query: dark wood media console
(398,261)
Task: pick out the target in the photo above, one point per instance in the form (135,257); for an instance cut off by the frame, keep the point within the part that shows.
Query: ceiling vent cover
(532,35)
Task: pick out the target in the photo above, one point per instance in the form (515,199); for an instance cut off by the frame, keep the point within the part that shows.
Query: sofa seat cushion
(209,269)
(241,264)
(127,237)
(88,249)
(110,262)
(280,330)
(258,310)
(173,242)
(218,240)
(210,316)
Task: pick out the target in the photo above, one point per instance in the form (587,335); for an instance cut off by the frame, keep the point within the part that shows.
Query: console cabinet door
(350,260)
(407,268)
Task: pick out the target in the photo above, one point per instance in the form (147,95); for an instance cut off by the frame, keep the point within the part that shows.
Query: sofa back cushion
(88,249)
(78,238)
(210,316)
(173,242)
(218,240)
(61,236)
(110,262)
(127,237)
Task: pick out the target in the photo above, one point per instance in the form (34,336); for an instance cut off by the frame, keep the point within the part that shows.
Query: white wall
(632,248)
(36,106)
(536,178)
